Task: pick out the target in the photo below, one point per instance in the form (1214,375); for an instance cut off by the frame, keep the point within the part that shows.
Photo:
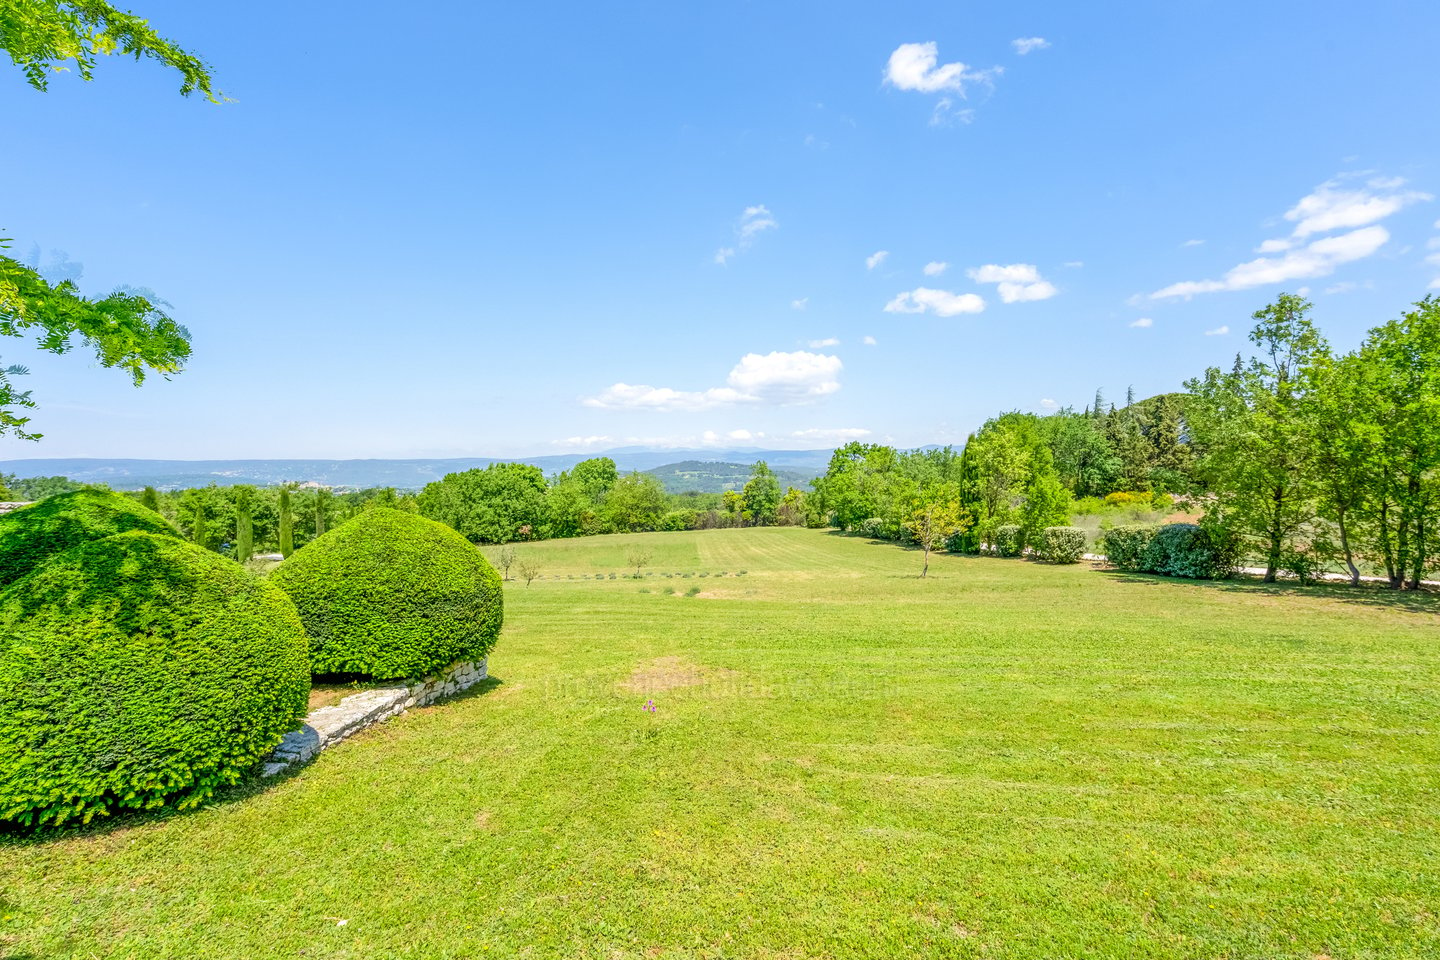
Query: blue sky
(521,229)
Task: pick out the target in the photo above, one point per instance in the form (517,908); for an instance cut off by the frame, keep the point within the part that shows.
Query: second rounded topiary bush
(392,594)
(139,671)
(32,534)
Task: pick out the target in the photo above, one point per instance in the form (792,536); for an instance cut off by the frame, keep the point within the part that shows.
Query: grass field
(1005,760)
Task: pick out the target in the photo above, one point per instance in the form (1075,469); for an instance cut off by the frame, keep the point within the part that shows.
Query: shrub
(391,594)
(32,534)
(874,528)
(139,671)
(1062,544)
(1125,546)
(1007,540)
(1304,565)
(1187,550)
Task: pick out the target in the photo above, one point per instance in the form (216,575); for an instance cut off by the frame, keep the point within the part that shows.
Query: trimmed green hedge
(391,594)
(31,535)
(1124,546)
(1062,544)
(139,671)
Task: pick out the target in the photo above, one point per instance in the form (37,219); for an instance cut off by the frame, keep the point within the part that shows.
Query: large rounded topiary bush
(391,594)
(32,534)
(137,671)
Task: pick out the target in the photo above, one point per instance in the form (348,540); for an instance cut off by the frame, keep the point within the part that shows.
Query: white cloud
(1275,246)
(1016,283)
(754,221)
(1192,243)
(916,66)
(821,344)
(800,304)
(1144,323)
(1014,273)
(868,340)
(942,302)
(1331,206)
(773,378)
(875,259)
(1024,45)
(1048,404)
(1217,332)
(1024,292)
(936,267)
(1345,286)
(834,435)
(1317,259)
(740,435)
(1074,264)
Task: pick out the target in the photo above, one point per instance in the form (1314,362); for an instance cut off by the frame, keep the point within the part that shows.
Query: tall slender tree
(244,523)
(287,524)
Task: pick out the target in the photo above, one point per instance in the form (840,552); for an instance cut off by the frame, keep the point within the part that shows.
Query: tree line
(1300,458)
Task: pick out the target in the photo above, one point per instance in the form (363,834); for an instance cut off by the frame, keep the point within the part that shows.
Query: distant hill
(355,474)
(710,476)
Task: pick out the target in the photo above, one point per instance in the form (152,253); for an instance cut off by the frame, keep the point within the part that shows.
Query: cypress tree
(322,499)
(244,525)
(150,500)
(199,531)
(287,524)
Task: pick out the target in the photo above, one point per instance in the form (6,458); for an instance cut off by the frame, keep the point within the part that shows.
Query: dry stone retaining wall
(327,726)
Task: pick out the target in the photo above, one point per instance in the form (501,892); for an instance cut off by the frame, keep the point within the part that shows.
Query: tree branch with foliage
(42,36)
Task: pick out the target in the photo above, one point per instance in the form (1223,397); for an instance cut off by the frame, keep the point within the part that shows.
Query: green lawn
(1005,760)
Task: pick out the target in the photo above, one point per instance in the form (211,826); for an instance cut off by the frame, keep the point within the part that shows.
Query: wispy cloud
(1016,283)
(1193,243)
(775,378)
(1333,206)
(1337,204)
(1024,45)
(822,344)
(800,304)
(868,340)
(753,222)
(936,267)
(1048,404)
(875,259)
(1218,331)
(1316,259)
(942,303)
(1144,323)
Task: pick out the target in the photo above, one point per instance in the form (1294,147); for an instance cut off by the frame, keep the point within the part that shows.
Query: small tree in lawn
(637,557)
(932,522)
(528,569)
(505,561)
